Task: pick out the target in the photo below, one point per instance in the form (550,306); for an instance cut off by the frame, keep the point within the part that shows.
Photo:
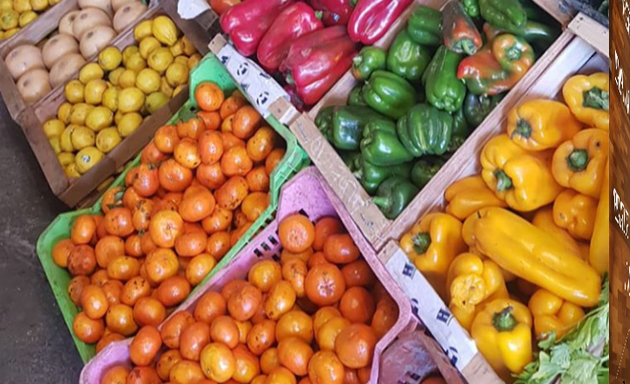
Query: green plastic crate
(209,69)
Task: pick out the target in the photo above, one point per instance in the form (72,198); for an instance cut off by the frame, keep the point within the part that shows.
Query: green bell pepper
(370,59)
(323,121)
(426,130)
(343,127)
(394,195)
(507,15)
(478,107)
(443,89)
(425,26)
(538,34)
(471,7)
(424,170)
(372,176)
(356,97)
(389,94)
(381,146)
(350,159)
(407,59)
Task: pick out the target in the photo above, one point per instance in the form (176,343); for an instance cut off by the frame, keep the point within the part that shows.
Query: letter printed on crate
(429,308)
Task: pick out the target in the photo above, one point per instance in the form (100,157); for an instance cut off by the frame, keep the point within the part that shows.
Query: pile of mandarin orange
(199,187)
(314,317)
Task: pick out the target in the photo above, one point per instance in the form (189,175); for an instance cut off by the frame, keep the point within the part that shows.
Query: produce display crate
(72,192)
(578,57)
(308,194)
(376,227)
(591,31)
(209,69)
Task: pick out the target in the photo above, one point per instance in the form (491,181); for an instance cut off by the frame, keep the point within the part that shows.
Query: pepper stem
(358,60)
(504,182)
(469,47)
(523,129)
(513,53)
(578,160)
(421,242)
(596,98)
(290,79)
(319,15)
(504,321)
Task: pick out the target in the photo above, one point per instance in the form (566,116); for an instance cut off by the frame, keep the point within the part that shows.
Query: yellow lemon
(10,33)
(6,5)
(91,71)
(65,140)
(177,74)
(75,92)
(155,101)
(99,118)
(148,81)
(136,62)
(110,58)
(94,90)
(130,100)
(127,52)
(55,143)
(148,45)
(21,6)
(79,113)
(115,75)
(107,139)
(9,20)
(160,59)
(65,158)
(188,46)
(53,127)
(127,79)
(72,170)
(88,158)
(177,49)
(110,99)
(182,60)
(166,88)
(39,5)
(82,137)
(164,30)
(178,90)
(143,30)
(64,111)
(193,61)
(26,18)
(118,116)
(129,123)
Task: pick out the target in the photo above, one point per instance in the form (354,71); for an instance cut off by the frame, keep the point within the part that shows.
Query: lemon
(182,60)
(166,88)
(136,63)
(178,90)
(74,92)
(91,71)
(177,74)
(94,91)
(127,52)
(65,140)
(88,158)
(188,46)
(26,18)
(115,75)
(164,30)
(177,49)
(10,33)
(99,118)
(129,123)
(127,79)
(65,158)
(53,127)
(160,59)
(193,61)
(9,20)
(6,5)
(130,100)
(107,139)
(118,116)
(110,99)
(155,101)
(21,6)
(148,45)
(55,143)
(110,58)
(148,81)
(72,170)
(82,137)
(64,111)
(39,5)
(143,30)
(79,113)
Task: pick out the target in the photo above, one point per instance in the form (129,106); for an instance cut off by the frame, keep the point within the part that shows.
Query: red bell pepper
(316,61)
(372,18)
(247,22)
(334,12)
(294,21)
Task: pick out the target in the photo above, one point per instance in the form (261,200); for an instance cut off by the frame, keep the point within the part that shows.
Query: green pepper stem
(578,160)
(358,60)
(596,98)
(469,47)
(319,15)
(513,53)
(504,182)
(382,202)
(504,321)
(523,129)
(421,242)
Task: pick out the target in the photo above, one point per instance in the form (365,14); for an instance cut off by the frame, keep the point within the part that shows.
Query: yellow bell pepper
(544,220)
(587,97)
(575,213)
(533,254)
(472,281)
(469,195)
(552,314)
(503,333)
(522,178)
(580,162)
(599,251)
(432,244)
(541,124)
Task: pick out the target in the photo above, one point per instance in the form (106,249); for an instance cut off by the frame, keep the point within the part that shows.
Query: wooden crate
(376,227)
(559,11)
(591,31)
(72,192)
(579,57)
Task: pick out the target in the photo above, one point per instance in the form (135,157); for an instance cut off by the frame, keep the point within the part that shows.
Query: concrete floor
(35,345)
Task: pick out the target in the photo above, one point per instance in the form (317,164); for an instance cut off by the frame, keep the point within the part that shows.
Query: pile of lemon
(112,97)
(17,14)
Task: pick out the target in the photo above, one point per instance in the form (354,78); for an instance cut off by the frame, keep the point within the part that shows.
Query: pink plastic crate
(306,193)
